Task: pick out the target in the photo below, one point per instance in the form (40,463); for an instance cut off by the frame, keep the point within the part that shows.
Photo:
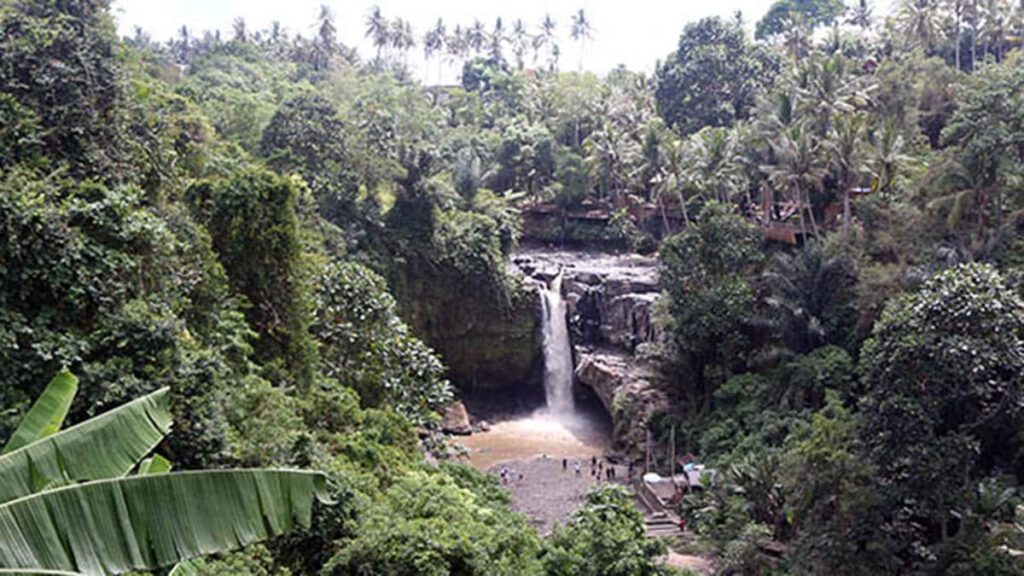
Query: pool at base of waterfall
(584,433)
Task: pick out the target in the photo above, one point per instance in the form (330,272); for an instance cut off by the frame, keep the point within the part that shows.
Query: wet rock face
(486,345)
(609,296)
(610,302)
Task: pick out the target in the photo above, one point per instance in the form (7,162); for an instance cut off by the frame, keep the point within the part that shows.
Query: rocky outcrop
(629,389)
(611,300)
(610,297)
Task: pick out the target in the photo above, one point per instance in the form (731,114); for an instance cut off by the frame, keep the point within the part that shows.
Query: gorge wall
(490,343)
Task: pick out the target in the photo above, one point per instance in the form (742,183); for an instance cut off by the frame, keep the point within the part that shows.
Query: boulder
(456,420)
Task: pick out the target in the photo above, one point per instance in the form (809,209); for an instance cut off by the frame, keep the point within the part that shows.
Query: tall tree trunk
(958,38)
(682,206)
(810,212)
(667,228)
(974,35)
(767,199)
(800,213)
(846,210)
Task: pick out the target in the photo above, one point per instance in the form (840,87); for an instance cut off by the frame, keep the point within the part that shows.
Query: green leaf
(148,522)
(106,446)
(186,568)
(156,464)
(37,572)
(47,414)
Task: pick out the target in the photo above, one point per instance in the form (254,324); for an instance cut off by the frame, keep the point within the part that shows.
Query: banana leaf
(47,414)
(155,464)
(186,568)
(148,522)
(30,572)
(106,446)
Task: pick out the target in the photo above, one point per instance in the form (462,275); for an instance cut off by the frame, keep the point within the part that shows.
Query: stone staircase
(659,521)
(662,526)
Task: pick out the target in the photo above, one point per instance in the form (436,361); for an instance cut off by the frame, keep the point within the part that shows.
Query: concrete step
(658,529)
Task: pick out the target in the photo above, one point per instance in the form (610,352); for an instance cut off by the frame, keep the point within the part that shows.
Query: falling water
(557,353)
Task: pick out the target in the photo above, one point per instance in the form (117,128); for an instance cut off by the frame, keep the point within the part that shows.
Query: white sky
(636,33)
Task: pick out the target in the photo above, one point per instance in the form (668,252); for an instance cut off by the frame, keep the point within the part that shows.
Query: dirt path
(696,564)
(548,495)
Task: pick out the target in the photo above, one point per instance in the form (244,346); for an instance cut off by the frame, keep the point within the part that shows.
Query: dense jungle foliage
(275,227)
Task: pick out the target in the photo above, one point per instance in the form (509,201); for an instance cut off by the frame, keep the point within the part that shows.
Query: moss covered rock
(488,341)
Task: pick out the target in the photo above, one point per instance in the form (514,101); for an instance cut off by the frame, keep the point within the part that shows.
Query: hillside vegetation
(308,245)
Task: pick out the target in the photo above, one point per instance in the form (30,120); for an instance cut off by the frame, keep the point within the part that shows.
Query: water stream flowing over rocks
(609,301)
(558,368)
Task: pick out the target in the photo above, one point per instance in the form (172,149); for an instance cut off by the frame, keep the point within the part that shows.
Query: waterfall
(557,352)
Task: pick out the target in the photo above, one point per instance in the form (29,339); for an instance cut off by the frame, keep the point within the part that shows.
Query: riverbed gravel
(546,494)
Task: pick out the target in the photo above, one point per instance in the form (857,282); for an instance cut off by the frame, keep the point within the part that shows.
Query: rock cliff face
(488,346)
(610,300)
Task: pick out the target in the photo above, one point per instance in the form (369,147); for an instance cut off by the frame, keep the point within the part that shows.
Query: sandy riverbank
(546,494)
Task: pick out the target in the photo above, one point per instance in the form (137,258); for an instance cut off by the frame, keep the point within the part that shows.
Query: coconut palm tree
(496,40)
(546,40)
(1018,17)
(798,170)
(519,42)
(963,197)
(240,31)
(885,156)
(996,26)
(797,36)
(827,90)
(71,504)
(326,43)
(581,32)
(673,178)
(921,22)
(378,30)
(973,16)
(714,164)
(848,157)
(956,8)
(776,111)
(434,44)
(455,43)
(610,154)
(861,15)
(402,38)
(476,37)
(182,48)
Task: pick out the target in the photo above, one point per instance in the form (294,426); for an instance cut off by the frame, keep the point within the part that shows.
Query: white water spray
(557,351)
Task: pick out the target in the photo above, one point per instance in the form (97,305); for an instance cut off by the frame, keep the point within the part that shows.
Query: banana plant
(47,415)
(69,506)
